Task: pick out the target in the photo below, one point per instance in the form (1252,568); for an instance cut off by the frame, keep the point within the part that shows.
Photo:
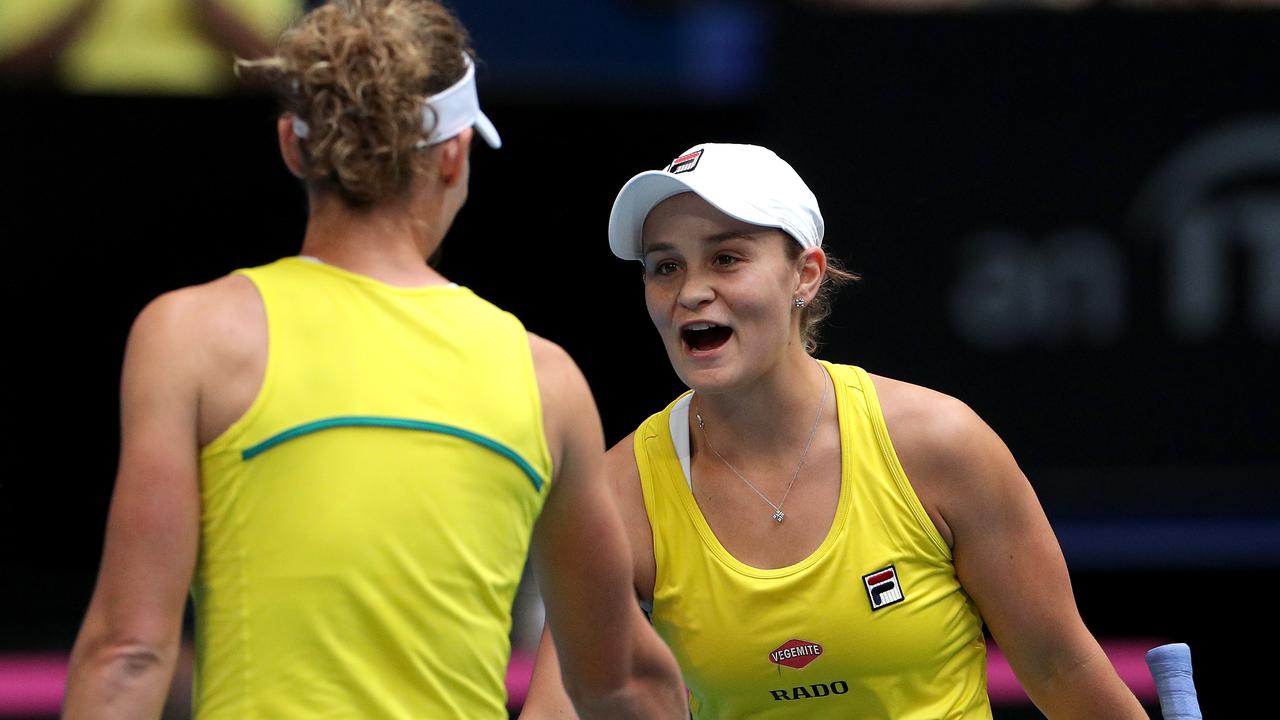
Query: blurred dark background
(1067,215)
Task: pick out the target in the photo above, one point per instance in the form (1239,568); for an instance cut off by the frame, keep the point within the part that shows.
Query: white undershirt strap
(679,420)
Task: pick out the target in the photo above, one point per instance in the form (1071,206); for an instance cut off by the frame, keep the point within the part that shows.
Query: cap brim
(644,191)
(485,127)
(632,206)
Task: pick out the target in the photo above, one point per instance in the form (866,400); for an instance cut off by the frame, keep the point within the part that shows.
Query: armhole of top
(661,428)
(644,471)
(639,454)
(543,462)
(229,438)
(890,455)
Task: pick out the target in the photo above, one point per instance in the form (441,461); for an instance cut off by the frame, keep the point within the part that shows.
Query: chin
(708,380)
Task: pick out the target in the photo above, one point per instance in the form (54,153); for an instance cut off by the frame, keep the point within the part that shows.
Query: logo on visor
(685,163)
(883,588)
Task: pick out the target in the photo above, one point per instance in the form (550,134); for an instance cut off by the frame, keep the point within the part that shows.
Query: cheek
(761,298)
(768,313)
(659,311)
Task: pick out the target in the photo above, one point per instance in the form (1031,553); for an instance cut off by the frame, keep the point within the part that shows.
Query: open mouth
(703,337)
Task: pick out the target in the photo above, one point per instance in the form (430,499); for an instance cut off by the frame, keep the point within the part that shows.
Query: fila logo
(883,587)
(795,653)
(685,163)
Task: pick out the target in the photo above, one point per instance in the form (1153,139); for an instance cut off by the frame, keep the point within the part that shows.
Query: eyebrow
(712,239)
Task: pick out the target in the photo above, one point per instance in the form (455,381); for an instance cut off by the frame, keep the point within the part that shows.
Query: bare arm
(39,57)
(614,665)
(125,654)
(547,699)
(1009,561)
(228,31)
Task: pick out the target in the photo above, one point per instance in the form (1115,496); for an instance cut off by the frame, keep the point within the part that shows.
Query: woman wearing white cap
(815,541)
(343,455)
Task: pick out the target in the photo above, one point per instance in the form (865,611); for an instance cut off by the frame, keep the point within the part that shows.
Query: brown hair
(819,308)
(358,72)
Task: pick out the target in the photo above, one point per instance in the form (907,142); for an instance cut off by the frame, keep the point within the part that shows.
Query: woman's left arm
(1005,552)
(1008,560)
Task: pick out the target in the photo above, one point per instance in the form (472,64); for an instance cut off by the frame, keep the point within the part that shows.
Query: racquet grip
(1171,668)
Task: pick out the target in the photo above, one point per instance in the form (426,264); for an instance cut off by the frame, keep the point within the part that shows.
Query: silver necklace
(778,515)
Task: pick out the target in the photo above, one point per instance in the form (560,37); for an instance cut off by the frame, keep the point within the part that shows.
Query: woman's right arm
(613,664)
(126,650)
(547,698)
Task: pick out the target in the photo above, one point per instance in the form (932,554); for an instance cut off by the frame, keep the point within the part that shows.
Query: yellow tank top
(873,624)
(365,523)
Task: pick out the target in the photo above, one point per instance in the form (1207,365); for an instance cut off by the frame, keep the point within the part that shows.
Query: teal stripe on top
(400,423)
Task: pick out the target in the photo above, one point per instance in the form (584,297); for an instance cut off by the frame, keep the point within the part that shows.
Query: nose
(695,292)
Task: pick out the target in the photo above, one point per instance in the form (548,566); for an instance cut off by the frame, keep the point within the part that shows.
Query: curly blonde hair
(358,72)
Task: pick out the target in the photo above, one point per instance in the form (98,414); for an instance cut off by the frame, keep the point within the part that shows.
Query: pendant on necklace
(779,515)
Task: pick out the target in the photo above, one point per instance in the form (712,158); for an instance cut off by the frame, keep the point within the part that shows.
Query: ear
(811,267)
(452,158)
(289,148)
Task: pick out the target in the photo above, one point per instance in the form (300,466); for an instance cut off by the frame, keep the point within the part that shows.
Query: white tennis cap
(745,182)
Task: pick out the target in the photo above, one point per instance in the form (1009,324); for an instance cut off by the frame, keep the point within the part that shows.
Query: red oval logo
(795,653)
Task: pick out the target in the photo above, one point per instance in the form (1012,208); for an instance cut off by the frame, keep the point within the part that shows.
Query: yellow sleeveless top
(365,523)
(873,624)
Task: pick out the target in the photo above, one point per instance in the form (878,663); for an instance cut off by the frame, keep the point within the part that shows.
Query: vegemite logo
(883,587)
(795,653)
(685,163)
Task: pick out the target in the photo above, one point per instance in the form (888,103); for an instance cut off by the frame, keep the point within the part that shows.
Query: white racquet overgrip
(1171,668)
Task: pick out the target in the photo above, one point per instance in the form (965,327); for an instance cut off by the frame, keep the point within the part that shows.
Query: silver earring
(799,303)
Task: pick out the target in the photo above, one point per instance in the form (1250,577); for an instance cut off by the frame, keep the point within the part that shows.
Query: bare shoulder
(570,420)
(620,462)
(563,387)
(216,316)
(928,424)
(624,475)
(207,342)
(551,362)
(198,309)
(953,460)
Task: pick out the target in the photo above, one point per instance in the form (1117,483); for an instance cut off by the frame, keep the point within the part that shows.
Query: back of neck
(385,242)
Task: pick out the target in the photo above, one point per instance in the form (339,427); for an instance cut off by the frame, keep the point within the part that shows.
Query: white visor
(446,113)
(457,108)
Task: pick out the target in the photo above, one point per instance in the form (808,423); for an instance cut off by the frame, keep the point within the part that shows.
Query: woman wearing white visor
(812,540)
(343,454)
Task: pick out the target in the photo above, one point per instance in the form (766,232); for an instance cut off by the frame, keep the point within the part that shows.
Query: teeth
(701,326)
